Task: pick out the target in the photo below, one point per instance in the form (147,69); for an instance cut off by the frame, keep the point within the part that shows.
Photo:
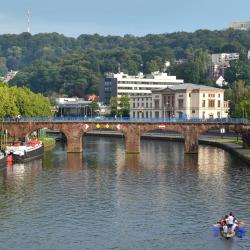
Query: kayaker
(230,220)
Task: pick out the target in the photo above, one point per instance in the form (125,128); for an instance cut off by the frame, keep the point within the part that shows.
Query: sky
(116,17)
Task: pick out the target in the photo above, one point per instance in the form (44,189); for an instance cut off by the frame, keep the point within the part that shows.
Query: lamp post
(164,111)
(140,113)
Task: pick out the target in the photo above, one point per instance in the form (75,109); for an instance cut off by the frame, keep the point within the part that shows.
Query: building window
(204,95)
(133,114)
(189,94)
(146,114)
(142,104)
(211,103)
(203,103)
(157,114)
(193,111)
(219,95)
(133,105)
(146,105)
(218,114)
(180,103)
(165,99)
(211,116)
(203,115)
(219,104)
(157,104)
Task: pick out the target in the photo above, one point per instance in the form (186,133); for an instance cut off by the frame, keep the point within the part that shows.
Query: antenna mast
(29,21)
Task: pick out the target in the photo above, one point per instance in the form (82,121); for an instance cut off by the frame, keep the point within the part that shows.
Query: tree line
(53,64)
(17,101)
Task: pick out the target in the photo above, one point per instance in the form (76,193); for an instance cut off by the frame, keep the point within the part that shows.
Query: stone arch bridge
(74,131)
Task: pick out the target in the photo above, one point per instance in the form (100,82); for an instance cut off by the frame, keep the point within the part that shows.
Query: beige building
(181,101)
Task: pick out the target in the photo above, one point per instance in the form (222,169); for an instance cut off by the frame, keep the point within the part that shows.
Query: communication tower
(29,21)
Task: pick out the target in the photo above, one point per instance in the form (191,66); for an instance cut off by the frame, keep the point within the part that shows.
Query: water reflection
(74,161)
(77,201)
(20,173)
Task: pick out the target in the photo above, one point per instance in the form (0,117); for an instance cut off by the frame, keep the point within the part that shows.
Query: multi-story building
(224,58)
(220,62)
(140,85)
(183,100)
(238,25)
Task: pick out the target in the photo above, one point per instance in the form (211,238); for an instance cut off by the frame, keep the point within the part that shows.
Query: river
(103,199)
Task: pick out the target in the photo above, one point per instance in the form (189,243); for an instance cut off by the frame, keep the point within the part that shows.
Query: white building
(183,100)
(248,55)
(238,25)
(72,106)
(220,62)
(124,84)
(224,58)
(221,82)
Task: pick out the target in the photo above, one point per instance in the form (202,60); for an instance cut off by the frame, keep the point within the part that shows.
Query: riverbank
(48,142)
(229,144)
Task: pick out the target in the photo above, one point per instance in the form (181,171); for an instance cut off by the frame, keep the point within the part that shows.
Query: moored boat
(26,152)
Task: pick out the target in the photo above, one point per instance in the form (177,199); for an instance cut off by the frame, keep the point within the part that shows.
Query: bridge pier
(246,138)
(132,140)
(74,141)
(191,138)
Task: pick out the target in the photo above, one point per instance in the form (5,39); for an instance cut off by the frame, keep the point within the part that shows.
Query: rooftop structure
(123,84)
(10,75)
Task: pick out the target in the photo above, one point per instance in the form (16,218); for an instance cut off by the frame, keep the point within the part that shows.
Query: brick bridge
(74,131)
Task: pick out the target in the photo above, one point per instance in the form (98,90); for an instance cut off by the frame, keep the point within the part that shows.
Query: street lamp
(140,113)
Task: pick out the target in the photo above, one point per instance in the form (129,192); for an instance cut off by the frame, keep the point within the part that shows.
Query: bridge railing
(125,120)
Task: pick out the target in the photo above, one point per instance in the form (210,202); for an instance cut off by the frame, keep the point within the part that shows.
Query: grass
(48,141)
(239,142)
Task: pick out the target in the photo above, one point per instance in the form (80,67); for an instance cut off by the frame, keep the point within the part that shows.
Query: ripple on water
(103,199)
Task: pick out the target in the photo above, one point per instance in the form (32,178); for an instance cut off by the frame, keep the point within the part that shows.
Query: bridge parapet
(74,131)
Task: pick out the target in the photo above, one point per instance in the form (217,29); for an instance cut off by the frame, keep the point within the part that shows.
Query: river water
(103,199)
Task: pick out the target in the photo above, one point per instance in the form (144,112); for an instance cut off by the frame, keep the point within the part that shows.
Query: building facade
(140,85)
(181,101)
(72,107)
(238,25)
(224,58)
(220,62)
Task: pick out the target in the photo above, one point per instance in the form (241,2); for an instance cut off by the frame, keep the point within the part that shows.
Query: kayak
(237,231)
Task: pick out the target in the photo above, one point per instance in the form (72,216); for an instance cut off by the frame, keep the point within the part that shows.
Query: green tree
(94,109)
(113,104)
(3,67)
(236,94)
(7,103)
(124,105)
(242,109)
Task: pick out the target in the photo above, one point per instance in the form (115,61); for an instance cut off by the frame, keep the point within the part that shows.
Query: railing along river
(125,120)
